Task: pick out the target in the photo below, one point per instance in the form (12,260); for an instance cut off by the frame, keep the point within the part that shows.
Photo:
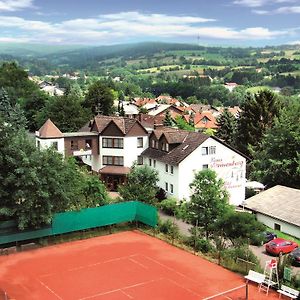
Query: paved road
(263,257)
(183,227)
(258,251)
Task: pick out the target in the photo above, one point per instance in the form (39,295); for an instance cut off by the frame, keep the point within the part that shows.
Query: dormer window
(165,147)
(205,120)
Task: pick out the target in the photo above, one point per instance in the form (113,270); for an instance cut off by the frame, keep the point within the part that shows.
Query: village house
(110,145)
(178,154)
(277,208)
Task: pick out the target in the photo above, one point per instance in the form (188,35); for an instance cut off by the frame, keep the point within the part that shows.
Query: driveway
(183,227)
(259,251)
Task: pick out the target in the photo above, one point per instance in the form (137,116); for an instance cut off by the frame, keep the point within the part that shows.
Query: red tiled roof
(205,120)
(49,130)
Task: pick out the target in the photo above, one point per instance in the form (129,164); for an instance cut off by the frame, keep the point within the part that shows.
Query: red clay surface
(123,266)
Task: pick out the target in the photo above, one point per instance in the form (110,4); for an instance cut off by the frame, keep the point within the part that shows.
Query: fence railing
(84,219)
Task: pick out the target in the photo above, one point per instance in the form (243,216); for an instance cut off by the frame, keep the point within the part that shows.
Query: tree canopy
(209,200)
(65,111)
(141,184)
(100,98)
(258,115)
(227,127)
(278,160)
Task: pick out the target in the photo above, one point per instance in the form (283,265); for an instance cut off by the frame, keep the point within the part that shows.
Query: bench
(287,291)
(256,277)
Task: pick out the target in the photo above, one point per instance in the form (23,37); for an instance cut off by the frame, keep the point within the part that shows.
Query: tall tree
(65,111)
(100,98)
(257,116)
(278,160)
(11,113)
(168,119)
(209,200)
(227,127)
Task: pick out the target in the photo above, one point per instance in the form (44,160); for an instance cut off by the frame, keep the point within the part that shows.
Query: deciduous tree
(141,184)
(209,200)
(278,160)
(100,98)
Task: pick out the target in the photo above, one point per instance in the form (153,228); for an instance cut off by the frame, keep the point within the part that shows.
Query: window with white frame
(166,186)
(150,162)
(171,188)
(140,142)
(113,160)
(154,163)
(140,160)
(152,143)
(54,145)
(204,150)
(204,167)
(167,168)
(112,143)
(172,169)
(212,150)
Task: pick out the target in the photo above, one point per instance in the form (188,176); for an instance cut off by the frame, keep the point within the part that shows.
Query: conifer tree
(227,127)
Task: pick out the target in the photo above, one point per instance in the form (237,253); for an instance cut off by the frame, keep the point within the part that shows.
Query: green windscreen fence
(84,219)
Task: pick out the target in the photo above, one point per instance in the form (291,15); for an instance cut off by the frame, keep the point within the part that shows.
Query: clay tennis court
(123,266)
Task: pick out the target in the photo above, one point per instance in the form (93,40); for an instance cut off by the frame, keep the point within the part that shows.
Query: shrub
(229,259)
(169,206)
(169,228)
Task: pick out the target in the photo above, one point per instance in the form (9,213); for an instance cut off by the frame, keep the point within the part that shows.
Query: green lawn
(256,89)
(285,236)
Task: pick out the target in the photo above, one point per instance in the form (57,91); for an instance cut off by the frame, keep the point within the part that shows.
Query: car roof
(279,240)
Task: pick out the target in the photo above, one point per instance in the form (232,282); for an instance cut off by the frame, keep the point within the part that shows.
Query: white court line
(121,289)
(187,289)
(47,287)
(138,263)
(129,296)
(91,265)
(170,269)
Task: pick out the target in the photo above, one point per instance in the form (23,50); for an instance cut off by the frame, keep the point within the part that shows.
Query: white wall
(47,143)
(229,165)
(285,227)
(165,177)
(130,151)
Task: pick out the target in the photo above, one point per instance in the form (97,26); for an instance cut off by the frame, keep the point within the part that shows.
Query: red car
(280,246)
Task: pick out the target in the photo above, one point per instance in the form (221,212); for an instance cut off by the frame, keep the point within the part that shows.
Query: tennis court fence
(84,219)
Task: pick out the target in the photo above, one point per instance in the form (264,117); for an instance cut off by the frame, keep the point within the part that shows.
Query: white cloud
(294,43)
(14,40)
(288,10)
(13,5)
(127,26)
(280,10)
(260,3)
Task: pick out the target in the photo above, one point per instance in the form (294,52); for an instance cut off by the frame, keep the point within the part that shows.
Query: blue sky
(102,22)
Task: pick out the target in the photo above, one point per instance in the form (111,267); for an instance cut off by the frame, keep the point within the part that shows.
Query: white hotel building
(110,146)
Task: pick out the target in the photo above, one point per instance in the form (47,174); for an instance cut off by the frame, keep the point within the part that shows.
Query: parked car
(280,246)
(269,236)
(295,257)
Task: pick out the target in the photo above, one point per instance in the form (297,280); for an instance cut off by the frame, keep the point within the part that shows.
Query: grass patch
(256,89)
(285,236)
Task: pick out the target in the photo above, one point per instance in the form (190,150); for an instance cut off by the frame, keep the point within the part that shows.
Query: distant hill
(23,49)
(139,57)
